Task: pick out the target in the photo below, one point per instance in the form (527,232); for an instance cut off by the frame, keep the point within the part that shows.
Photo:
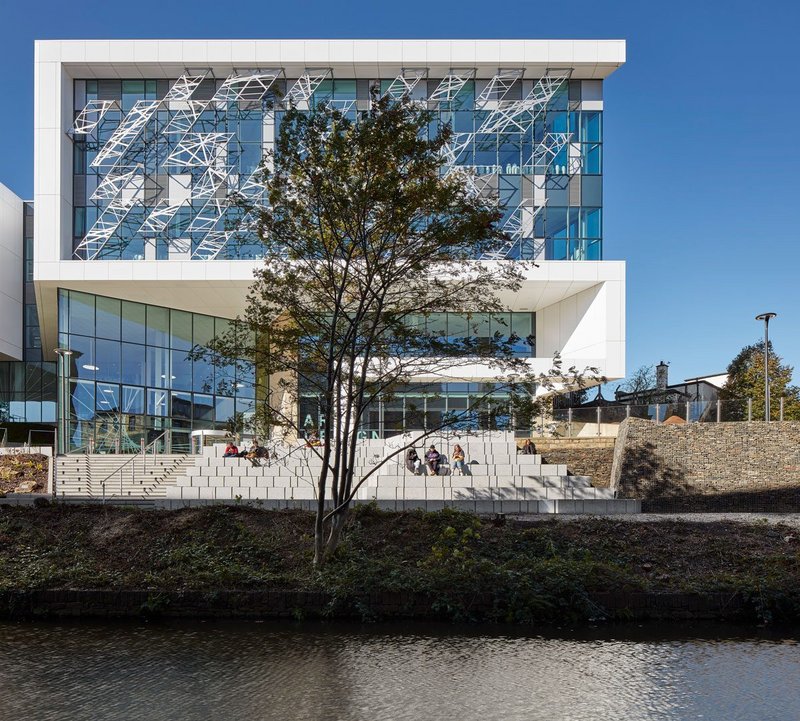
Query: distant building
(701,388)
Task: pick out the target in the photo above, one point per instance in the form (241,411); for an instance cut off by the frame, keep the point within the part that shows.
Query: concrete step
(501,493)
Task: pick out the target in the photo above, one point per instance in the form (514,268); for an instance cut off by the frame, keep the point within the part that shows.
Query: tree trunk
(337,526)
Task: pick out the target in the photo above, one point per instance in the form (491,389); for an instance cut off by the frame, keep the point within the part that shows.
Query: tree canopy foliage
(366,236)
(746,380)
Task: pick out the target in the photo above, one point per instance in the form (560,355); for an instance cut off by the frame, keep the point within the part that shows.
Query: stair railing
(130,462)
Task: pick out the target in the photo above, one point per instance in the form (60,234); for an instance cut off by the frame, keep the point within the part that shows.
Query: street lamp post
(766,317)
(63,400)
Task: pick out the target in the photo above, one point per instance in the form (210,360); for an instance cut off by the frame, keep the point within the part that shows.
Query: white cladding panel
(10,275)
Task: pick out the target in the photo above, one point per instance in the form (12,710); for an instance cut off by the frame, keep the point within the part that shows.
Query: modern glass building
(139,250)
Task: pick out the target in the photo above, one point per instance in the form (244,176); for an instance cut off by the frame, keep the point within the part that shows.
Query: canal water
(342,672)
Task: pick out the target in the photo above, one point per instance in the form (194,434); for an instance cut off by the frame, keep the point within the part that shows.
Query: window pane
(203,329)
(457,327)
(82,359)
(132,400)
(107,397)
(81,313)
(107,360)
(82,400)
(224,409)
(133,323)
(181,405)
(181,370)
(156,402)
(108,318)
(590,223)
(133,364)
(181,329)
(501,324)
(157,326)
(203,407)
(556,222)
(158,375)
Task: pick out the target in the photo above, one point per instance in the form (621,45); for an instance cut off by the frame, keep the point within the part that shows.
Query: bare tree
(637,384)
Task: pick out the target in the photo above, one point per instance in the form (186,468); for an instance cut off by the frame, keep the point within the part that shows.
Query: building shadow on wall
(663,488)
(645,475)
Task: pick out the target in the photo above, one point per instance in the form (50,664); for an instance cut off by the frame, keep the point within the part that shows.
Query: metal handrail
(142,452)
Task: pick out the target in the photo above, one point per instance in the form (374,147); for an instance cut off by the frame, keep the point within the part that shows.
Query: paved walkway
(788,519)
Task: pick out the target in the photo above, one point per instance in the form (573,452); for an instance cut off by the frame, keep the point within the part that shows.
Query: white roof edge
(595,58)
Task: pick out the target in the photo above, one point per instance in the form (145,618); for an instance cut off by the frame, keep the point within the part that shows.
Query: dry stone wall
(582,456)
(709,466)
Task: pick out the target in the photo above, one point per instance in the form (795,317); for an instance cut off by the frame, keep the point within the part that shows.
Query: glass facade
(517,329)
(131,376)
(153,177)
(419,406)
(28,388)
(27,392)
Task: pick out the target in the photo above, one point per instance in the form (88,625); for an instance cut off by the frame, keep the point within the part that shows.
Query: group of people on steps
(433,461)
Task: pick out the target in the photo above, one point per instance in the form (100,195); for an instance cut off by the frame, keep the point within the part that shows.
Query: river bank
(229,561)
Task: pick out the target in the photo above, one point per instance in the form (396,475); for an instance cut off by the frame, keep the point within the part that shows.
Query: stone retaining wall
(709,466)
(582,456)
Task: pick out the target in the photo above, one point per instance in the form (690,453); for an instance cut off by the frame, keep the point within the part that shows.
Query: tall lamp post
(766,317)
(63,400)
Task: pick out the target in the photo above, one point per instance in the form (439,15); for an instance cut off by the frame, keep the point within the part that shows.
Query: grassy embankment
(542,571)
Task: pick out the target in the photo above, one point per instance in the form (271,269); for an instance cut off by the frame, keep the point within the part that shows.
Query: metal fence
(604,420)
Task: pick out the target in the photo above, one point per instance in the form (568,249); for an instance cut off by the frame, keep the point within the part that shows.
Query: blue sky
(702,162)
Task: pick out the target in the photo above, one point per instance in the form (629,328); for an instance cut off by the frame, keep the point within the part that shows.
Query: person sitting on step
(528,448)
(432,459)
(413,463)
(231,451)
(256,453)
(457,458)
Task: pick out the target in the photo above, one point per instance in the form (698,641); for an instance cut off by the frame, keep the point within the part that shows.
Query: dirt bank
(446,565)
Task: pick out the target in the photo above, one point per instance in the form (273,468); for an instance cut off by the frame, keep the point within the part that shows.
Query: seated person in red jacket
(231,451)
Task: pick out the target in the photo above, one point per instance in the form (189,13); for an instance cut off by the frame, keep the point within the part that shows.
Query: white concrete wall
(588,328)
(10,275)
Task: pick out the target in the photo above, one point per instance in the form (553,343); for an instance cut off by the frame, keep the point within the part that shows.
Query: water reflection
(343,673)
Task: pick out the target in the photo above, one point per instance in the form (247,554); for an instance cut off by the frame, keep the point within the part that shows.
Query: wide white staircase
(114,477)
(498,479)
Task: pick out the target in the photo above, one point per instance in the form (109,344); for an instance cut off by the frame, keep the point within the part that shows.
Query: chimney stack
(662,376)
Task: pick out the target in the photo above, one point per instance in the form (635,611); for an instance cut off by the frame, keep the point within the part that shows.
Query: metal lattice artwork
(159,218)
(249,87)
(405,83)
(185,118)
(91,115)
(451,85)
(130,127)
(176,170)
(184,87)
(197,150)
(111,218)
(497,88)
(517,227)
(209,216)
(113,184)
(304,87)
(212,244)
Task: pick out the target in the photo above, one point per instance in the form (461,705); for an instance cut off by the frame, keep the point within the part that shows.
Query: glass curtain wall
(131,377)
(420,406)
(564,179)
